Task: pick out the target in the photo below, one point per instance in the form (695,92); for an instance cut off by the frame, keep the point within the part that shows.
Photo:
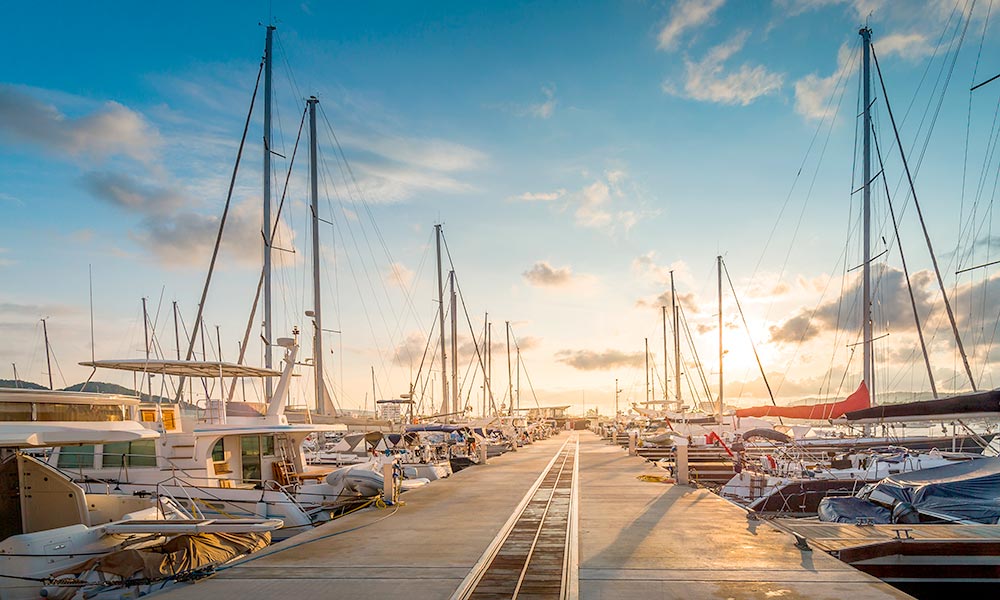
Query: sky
(575,155)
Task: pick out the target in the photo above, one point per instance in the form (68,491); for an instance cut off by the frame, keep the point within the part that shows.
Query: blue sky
(575,153)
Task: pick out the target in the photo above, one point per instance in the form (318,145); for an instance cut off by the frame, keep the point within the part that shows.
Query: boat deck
(557,503)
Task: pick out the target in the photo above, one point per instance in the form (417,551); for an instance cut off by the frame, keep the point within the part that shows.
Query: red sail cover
(817,412)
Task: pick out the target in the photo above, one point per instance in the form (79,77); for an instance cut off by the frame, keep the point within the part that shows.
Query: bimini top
(184,368)
(40,434)
(64,397)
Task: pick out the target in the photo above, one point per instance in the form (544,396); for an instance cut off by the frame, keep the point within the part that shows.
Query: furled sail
(817,412)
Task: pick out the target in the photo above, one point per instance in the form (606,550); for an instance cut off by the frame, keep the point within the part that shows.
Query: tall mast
(268,386)
(48,354)
(454,342)
(647,370)
(145,335)
(317,304)
(486,383)
(510,374)
(721,352)
(517,371)
(677,342)
(444,354)
(177,333)
(666,376)
(866,302)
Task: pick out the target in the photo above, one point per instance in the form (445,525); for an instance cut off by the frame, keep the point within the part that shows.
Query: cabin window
(267,445)
(54,411)
(76,457)
(219,451)
(250,455)
(140,453)
(15,411)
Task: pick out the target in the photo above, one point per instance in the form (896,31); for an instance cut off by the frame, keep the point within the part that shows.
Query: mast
(486,320)
(617,391)
(721,352)
(510,377)
(268,386)
(517,372)
(48,354)
(454,342)
(317,304)
(177,333)
(145,334)
(677,342)
(866,303)
(647,370)
(666,377)
(444,356)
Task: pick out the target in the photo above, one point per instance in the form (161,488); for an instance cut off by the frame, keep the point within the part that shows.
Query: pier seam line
(571,564)
(478,570)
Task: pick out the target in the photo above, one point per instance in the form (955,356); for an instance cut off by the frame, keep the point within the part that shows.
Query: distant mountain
(96,387)
(17,383)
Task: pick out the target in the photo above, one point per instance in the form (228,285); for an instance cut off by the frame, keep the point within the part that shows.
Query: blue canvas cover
(851,510)
(967,490)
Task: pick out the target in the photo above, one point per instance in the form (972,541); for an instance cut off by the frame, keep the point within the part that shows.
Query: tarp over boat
(816,412)
(181,554)
(966,491)
(980,404)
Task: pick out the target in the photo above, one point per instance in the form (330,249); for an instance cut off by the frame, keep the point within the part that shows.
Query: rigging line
(524,366)
(937,110)
(798,174)
(367,208)
(337,223)
(906,272)
(968,126)
(694,352)
(930,248)
(260,281)
(468,319)
(222,225)
(750,337)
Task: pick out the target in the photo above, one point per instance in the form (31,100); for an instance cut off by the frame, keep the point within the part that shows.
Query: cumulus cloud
(684,16)
(590,360)
(543,274)
(597,205)
(708,80)
(841,313)
(111,130)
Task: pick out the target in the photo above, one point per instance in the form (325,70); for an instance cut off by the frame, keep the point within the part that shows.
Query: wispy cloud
(544,109)
(540,196)
(543,274)
(684,16)
(591,360)
(708,80)
(111,129)
(814,94)
(398,275)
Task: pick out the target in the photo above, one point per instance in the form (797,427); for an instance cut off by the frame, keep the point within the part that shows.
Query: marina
(635,539)
(331,305)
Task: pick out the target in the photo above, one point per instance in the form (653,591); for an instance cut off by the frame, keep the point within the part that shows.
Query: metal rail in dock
(534,555)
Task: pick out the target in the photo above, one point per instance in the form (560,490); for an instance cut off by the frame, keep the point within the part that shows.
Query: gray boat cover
(968,490)
(851,510)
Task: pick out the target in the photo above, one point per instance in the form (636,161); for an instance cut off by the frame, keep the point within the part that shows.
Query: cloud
(12,199)
(398,275)
(686,15)
(542,274)
(593,206)
(707,80)
(814,94)
(540,196)
(544,109)
(841,314)
(590,360)
(110,130)
(906,45)
(133,195)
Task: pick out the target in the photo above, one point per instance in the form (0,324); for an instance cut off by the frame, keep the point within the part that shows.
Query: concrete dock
(636,539)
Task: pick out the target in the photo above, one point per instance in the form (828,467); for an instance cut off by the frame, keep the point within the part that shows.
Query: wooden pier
(568,517)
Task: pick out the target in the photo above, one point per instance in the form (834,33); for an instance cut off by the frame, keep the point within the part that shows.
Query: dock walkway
(617,537)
